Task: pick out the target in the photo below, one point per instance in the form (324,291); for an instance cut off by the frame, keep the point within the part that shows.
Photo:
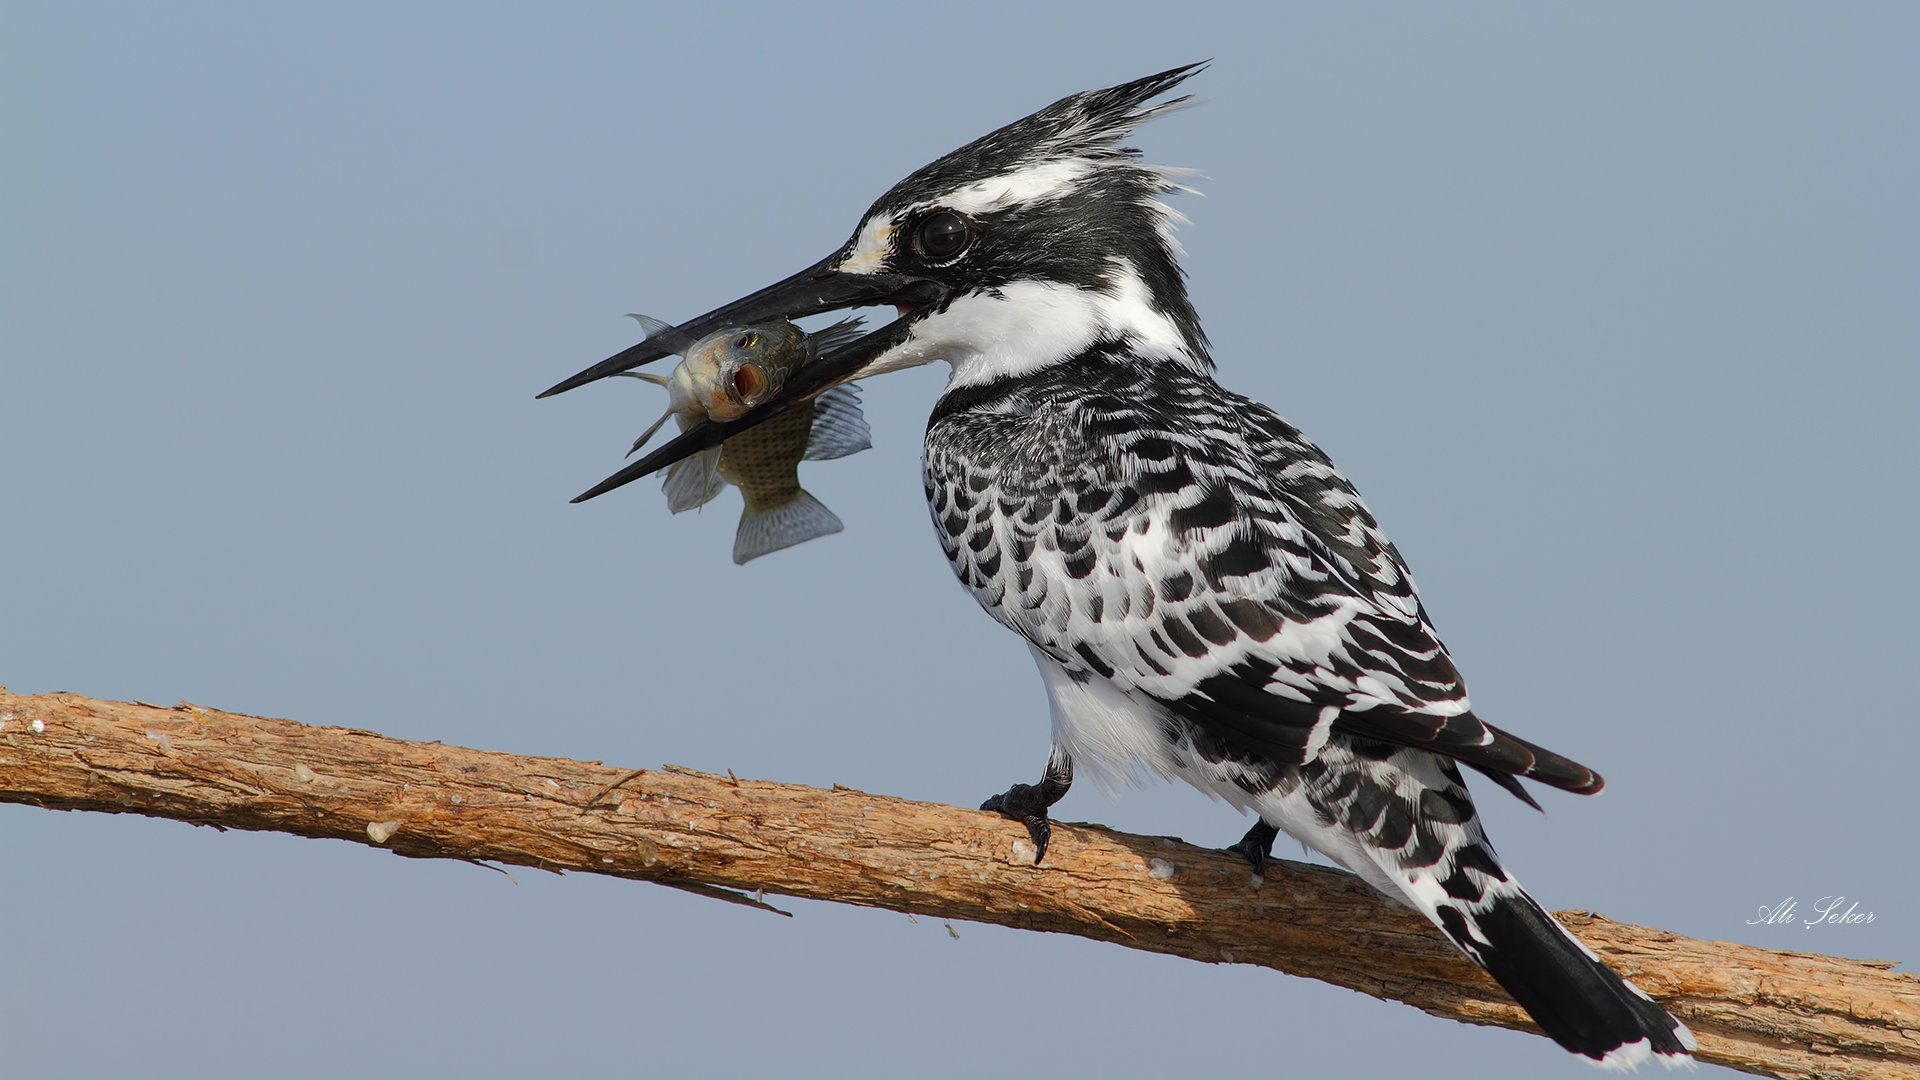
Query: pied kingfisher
(1206,596)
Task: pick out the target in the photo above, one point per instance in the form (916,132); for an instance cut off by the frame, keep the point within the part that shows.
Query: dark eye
(944,235)
(747,340)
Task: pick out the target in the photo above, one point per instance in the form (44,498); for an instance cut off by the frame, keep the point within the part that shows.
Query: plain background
(1611,311)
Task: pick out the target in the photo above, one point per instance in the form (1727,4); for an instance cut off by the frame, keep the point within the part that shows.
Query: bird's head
(1042,239)
(1021,249)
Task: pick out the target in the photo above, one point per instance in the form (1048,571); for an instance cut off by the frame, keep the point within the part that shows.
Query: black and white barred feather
(1210,599)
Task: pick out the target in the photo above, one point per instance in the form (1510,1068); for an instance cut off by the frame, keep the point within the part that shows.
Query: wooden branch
(1773,1013)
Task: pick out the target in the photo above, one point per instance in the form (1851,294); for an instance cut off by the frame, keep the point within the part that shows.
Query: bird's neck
(1017,329)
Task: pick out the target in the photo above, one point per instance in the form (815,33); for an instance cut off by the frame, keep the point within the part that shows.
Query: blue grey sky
(1609,310)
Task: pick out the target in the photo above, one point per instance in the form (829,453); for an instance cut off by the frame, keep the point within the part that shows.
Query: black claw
(1257,845)
(1027,804)
(1039,830)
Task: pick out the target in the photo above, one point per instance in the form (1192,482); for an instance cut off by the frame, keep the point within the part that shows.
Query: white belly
(1122,741)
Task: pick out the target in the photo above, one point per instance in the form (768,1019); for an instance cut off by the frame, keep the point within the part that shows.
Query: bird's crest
(1080,130)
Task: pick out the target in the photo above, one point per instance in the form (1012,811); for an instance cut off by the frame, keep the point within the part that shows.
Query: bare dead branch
(1773,1013)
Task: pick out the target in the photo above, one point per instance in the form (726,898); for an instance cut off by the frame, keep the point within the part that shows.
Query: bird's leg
(1257,845)
(1027,803)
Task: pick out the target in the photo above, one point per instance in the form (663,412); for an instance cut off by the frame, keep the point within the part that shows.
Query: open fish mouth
(818,289)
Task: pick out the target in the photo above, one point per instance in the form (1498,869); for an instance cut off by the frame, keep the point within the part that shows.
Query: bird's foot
(1028,803)
(1257,845)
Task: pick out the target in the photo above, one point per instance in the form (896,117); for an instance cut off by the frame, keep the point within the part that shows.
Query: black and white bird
(1206,596)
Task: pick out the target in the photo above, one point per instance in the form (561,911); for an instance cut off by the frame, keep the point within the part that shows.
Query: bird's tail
(783,526)
(1403,820)
(1577,1000)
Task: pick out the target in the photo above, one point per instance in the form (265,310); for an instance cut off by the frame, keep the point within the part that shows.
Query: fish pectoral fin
(839,427)
(796,522)
(644,376)
(648,434)
(664,334)
(694,481)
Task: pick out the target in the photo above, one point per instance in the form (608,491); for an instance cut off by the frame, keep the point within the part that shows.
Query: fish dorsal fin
(797,522)
(822,342)
(694,481)
(839,427)
(664,334)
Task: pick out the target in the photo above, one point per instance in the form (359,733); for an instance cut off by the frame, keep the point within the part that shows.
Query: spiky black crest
(1088,125)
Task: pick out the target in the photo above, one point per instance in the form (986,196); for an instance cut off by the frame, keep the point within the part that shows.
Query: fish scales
(764,461)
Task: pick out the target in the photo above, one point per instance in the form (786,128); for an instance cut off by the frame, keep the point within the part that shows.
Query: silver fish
(726,375)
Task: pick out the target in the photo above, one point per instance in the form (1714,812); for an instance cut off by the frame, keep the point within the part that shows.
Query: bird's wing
(1191,545)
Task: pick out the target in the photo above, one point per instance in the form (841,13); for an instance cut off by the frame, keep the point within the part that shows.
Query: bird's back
(1136,521)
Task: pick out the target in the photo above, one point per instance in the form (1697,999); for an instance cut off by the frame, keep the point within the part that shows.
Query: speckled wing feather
(1139,522)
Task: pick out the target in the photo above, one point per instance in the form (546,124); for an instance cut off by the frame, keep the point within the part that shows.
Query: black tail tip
(1579,1001)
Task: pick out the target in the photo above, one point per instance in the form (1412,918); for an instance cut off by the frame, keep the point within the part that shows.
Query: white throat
(1024,326)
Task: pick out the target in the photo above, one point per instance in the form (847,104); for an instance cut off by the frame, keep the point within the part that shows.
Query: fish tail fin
(694,481)
(795,522)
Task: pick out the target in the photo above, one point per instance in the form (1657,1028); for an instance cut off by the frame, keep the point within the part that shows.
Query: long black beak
(808,383)
(809,292)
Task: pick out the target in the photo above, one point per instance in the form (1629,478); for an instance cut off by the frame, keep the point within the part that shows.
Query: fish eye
(944,235)
(749,380)
(747,340)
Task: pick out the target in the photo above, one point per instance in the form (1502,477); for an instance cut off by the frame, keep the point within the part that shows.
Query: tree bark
(1757,1010)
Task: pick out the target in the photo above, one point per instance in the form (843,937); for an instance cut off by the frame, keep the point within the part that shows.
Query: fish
(729,373)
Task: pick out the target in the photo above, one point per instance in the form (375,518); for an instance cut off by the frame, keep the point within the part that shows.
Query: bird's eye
(944,235)
(747,340)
